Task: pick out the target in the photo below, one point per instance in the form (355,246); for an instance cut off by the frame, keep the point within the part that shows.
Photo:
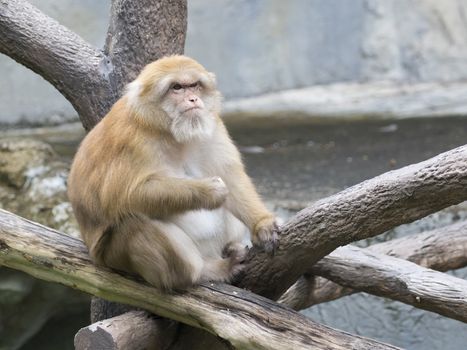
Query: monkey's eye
(177,87)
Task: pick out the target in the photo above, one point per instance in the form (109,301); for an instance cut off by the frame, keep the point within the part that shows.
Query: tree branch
(364,210)
(140,32)
(137,36)
(59,55)
(133,330)
(243,319)
(397,279)
(441,249)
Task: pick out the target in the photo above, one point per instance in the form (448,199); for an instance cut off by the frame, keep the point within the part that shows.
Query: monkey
(158,187)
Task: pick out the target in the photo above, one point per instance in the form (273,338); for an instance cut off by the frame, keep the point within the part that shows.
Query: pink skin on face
(187,96)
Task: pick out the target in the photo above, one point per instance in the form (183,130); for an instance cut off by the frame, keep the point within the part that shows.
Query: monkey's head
(177,94)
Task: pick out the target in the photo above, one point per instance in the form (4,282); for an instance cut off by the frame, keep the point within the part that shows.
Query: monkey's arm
(244,202)
(160,197)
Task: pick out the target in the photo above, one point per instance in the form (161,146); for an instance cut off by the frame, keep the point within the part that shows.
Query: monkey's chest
(202,224)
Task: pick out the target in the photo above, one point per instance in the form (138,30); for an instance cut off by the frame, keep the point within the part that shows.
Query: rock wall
(262,46)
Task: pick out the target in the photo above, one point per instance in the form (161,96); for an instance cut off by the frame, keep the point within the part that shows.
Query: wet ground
(306,161)
(294,163)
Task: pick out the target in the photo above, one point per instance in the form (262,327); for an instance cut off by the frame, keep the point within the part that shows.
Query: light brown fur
(143,192)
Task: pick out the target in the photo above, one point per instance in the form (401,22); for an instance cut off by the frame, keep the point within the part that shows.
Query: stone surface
(373,100)
(33,185)
(32,173)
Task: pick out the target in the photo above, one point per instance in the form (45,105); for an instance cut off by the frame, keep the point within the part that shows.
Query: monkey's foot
(235,253)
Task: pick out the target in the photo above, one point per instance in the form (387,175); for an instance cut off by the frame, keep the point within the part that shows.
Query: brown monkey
(159,189)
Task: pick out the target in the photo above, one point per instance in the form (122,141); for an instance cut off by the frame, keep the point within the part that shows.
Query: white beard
(192,126)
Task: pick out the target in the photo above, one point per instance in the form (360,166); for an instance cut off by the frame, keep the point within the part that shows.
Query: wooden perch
(243,319)
(130,331)
(397,279)
(442,249)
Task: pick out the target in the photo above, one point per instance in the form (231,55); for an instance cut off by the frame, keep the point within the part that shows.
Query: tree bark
(140,32)
(133,330)
(441,249)
(244,320)
(396,279)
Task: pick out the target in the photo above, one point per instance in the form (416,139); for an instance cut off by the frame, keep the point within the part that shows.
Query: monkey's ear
(212,76)
(133,91)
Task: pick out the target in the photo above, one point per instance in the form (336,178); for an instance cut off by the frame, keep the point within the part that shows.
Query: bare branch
(364,210)
(441,249)
(143,31)
(140,31)
(133,330)
(59,55)
(253,322)
(396,279)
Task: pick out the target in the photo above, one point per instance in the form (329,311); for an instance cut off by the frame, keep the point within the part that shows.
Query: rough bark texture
(134,330)
(142,31)
(361,211)
(396,279)
(441,249)
(91,79)
(244,320)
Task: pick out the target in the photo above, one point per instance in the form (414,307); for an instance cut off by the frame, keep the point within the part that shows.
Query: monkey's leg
(164,255)
(226,268)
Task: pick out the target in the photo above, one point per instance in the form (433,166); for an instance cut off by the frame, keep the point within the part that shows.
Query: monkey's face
(191,103)
(176,93)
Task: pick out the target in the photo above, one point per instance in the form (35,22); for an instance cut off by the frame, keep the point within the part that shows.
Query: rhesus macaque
(159,189)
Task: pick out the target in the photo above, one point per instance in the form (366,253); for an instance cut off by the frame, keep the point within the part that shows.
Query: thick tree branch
(243,319)
(143,31)
(396,279)
(441,249)
(134,330)
(361,211)
(59,55)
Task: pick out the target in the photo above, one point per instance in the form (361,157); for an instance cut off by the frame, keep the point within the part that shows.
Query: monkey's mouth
(191,109)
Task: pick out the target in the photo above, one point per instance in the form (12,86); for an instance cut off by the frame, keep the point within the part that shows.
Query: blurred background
(319,95)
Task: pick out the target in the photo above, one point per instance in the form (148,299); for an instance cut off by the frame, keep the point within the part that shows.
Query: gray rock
(33,185)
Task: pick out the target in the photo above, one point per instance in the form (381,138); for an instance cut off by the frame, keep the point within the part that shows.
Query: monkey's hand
(265,234)
(216,192)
